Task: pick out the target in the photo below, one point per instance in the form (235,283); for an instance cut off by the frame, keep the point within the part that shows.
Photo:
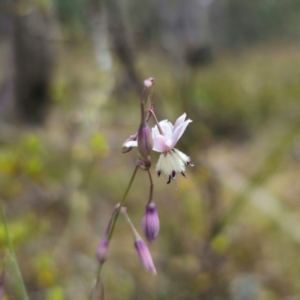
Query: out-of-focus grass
(60,183)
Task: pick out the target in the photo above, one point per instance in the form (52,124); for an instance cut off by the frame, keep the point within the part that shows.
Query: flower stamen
(170,178)
(183,175)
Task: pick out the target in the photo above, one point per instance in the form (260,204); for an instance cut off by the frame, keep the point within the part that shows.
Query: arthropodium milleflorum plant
(161,138)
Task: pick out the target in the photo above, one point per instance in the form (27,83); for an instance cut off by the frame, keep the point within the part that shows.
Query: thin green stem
(122,203)
(116,214)
(14,264)
(136,234)
(92,294)
(151,187)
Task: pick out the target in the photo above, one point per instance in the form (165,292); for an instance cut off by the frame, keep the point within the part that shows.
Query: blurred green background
(71,78)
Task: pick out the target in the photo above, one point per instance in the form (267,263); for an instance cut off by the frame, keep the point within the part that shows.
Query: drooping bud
(129,143)
(150,222)
(141,248)
(145,256)
(103,247)
(103,251)
(145,140)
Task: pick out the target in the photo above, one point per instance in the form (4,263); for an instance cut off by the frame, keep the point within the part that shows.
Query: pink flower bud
(150,222)
(129,143)
(145,140)
(149,82)
(145,255)
(103,251)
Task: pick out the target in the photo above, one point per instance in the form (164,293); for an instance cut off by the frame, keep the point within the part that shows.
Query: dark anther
(170,178)
(183,175)
(158,173)
(189,163)
(173,174)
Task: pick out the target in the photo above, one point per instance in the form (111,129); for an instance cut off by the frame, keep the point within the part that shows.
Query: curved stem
(156,121)
(151,187)
(14,264)
(114,219)
(136,234)
(122,203)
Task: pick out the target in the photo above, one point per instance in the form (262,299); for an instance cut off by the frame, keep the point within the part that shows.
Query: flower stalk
(161,138)
(122,203)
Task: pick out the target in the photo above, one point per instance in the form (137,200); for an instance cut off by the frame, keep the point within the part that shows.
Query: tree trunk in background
(119,33)
(25,92)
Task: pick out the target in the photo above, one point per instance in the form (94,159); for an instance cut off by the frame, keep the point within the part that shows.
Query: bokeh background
(71,77)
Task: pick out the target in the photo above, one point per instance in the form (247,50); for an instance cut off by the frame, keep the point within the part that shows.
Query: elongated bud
(103,251)
(144,255)
(145,140)
(150,222)
(141,248)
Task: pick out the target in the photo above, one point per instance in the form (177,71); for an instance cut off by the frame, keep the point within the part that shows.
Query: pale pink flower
(171,161)
(170,134)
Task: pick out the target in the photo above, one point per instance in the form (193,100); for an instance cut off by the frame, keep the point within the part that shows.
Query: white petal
(165,166)
(182,156)
(172,163)
(167,163)
(130,144)
(179,163)
(158,165)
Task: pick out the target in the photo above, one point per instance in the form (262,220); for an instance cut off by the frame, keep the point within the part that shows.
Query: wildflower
(144,255)
(165,137)
(150,222)
(103,250)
